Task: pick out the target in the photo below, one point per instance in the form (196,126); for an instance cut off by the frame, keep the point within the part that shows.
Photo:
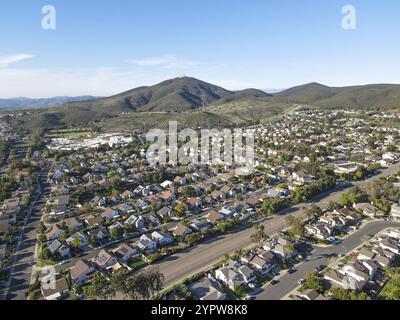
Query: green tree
(76,243)
(117,233)
(180,210)
(313,281)
(99,288)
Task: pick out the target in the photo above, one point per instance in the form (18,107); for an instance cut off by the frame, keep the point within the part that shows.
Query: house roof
(102,258)
(214,216)
(180,229)
(166,195)
(310,294)
(122,250)
(80,267)
(60,286)
(52,231)
(207,290)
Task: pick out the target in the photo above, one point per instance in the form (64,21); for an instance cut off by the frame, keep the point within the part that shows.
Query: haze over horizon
(104,50)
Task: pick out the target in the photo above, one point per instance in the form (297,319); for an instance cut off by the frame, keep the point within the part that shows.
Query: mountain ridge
(173,95)
(198,103)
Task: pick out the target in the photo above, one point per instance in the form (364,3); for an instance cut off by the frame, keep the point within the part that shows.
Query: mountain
(27,103)
(386,96)
(195,103)
(175,95)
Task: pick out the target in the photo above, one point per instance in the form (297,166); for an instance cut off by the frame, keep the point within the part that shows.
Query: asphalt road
(205,255)
(319,257)
(24,256)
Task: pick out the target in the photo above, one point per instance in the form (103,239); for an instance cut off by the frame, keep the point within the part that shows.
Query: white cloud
(5,61)
(167,62)
(102,81)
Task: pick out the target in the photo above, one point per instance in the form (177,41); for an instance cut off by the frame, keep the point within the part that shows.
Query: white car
(301,281)
(252,285)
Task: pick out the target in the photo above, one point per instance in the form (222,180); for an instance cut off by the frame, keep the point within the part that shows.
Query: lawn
(69,134)
(137,264)
(391,290)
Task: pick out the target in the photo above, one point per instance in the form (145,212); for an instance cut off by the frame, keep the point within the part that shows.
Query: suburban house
(99,234)
(109,214)
(180,230)
(247,273)
(124,208)
(124,252)
(165,212)
(311,294)
(127,194)
(104,260)
(56,247)
(320,231)
(262,266)
(352,216)
(279,246)
(301,178)
(162,239)
(78,235)
(53,289)
(167,196)
(357,272)
(365,254)
(230,277)
(369,210)
(208,289)
(389,245)
(200,225)
(93,220)
(54,232)
(73,224)
(146,243)
(80,272)
(213,216)
(167,184)
(11,206)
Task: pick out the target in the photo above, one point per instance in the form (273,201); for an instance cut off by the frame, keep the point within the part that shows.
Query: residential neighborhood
(108,212)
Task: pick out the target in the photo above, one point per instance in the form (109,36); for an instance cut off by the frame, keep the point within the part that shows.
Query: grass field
(68,133)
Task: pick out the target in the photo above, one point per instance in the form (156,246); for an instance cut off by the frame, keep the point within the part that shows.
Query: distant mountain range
(27,103)
(198,103)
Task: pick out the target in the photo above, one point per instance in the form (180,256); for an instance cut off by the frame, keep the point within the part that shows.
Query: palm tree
(76,243)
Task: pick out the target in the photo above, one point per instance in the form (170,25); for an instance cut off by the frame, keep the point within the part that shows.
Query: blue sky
(105,47)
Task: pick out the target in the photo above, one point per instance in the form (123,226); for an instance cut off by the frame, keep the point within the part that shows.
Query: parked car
(320,268)
(252,285)
(292,270)
(301,281)
(274,281)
